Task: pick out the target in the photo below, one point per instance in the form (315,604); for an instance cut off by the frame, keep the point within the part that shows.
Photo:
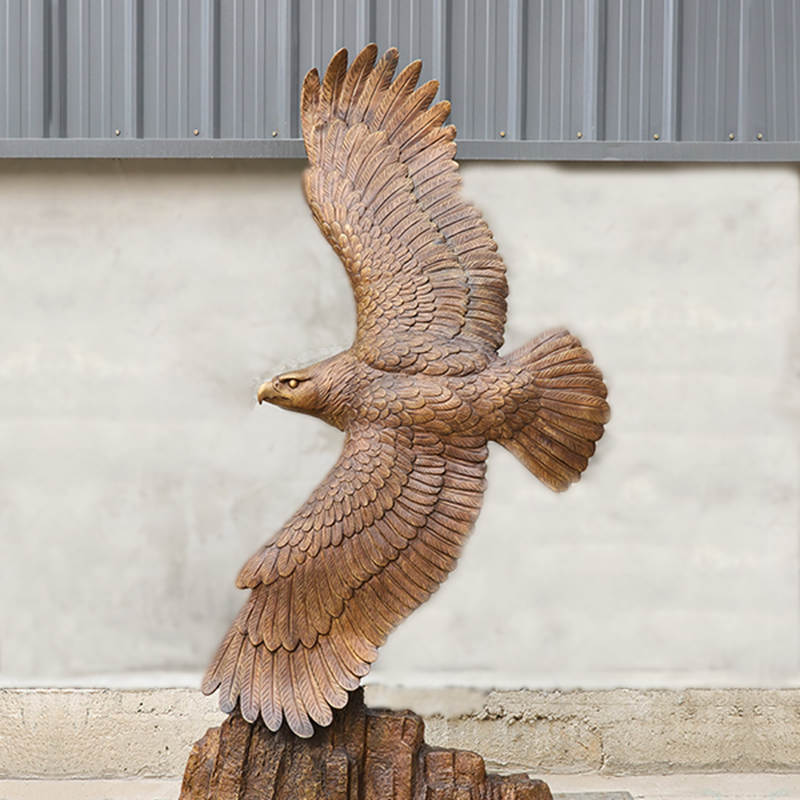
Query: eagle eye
(292,383)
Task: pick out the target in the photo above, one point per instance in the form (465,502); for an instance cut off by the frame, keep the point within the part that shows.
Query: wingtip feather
(332,83)
(309,101)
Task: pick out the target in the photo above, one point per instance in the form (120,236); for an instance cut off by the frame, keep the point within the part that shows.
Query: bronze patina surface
(419,394)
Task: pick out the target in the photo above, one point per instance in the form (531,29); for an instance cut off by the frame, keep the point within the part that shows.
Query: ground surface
(570,787)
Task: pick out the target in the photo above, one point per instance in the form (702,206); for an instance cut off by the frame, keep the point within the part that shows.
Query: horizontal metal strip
(469,149)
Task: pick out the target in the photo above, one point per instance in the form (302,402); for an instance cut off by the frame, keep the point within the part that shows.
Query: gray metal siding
(527,78)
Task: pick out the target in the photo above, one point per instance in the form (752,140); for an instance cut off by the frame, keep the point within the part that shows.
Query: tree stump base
(365,754)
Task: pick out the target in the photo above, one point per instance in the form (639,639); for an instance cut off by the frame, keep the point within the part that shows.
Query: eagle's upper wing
(382,184)
(374,540)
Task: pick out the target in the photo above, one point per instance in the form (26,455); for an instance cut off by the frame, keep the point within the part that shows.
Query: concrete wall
(105,733)
(142,303)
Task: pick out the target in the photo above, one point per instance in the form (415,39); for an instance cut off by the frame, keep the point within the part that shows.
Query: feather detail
(569,408)
(346,679)
(316,707)
(332,86)
(288,692)
(270,632)
(229,669)
(402,118)
(309,100)
(335,696)
(402,86)
(348,645)
(356,77)
(249,684)
(213,677)
(376,84)
(255,621)
(270,701)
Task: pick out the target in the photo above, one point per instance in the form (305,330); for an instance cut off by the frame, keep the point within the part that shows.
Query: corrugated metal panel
(527,78)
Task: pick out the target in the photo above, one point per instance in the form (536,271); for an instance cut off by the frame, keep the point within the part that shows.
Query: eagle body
(419,395)
(344,392)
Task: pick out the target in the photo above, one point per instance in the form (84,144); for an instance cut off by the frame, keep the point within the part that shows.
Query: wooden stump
(365,754)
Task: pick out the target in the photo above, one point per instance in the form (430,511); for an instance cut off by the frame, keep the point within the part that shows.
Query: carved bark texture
(365,754)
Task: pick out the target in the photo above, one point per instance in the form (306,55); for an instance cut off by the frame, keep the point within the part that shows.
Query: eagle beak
(266,392)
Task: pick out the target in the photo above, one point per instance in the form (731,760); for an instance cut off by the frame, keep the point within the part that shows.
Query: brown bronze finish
(419,395)
(365,754)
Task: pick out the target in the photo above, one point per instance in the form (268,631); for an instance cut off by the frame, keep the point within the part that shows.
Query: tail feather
(566,412)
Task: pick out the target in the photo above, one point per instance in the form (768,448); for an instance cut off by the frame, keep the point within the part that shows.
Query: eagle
(419,394)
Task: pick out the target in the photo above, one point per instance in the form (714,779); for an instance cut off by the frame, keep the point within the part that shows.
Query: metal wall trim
(468,149)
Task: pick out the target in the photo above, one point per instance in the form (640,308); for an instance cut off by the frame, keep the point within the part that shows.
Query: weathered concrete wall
(143,303)
(122,734)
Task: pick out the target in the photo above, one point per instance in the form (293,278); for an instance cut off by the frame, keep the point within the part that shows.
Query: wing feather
(289,693)
(270,703)
(317,622)
(346,679)
(356,77)
(384,189)
(309,102)
(247,682)
(229,673)
(404,117)
(377,82)
(332,85)
(333,693)
(395,96)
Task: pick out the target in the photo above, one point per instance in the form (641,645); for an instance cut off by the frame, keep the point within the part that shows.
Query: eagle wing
(429,286)
(373,542)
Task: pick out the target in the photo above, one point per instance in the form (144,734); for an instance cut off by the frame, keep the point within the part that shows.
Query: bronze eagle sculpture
(419,394)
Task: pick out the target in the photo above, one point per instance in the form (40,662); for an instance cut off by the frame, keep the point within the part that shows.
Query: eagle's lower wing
(383,187)
(371,544)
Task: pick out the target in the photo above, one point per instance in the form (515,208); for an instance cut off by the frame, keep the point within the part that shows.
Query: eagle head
(314,390)
(296,390)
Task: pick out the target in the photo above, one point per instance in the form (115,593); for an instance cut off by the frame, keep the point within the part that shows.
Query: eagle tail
(566,411)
